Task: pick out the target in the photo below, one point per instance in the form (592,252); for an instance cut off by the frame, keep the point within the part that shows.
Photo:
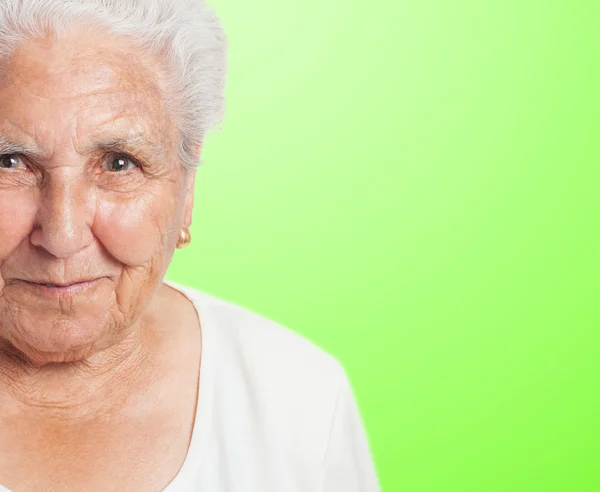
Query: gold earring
(185,238)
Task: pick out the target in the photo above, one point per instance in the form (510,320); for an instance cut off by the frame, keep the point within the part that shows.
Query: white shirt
(275,413)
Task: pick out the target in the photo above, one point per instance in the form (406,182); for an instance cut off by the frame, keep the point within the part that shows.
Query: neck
(82,389)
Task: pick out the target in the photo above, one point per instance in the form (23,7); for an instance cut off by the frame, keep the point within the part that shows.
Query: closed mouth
(64,285)
(67,285)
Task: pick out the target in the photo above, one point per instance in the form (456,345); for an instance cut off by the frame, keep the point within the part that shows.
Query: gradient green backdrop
(414,186)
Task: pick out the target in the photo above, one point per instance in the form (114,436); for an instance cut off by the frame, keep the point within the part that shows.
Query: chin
(60,340)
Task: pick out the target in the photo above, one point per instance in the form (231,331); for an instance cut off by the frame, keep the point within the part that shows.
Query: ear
(188,204)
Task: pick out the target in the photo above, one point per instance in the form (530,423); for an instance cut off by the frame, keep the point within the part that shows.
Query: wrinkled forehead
(72,89)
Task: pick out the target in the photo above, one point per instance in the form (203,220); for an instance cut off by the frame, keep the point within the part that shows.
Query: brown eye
(118,162)
(11,161)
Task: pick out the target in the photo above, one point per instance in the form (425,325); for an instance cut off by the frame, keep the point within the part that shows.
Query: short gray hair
(186,33)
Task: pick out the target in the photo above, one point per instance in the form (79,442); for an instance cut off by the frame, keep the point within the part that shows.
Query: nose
(64,218)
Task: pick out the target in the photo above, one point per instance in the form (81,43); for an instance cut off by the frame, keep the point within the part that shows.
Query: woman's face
(90,190)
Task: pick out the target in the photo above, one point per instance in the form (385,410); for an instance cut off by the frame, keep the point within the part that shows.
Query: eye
(11,161)
(119,162)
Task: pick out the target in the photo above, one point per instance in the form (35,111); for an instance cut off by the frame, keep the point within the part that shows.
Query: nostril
(61,242)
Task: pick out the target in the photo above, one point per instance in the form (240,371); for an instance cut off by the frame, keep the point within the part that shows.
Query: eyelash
(107,159)
(3,156)
(123,156)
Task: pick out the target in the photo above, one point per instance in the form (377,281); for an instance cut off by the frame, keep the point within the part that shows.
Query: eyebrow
(132,143)
(8,147)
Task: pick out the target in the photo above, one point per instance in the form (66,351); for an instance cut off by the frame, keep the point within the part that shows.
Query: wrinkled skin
(66,215)
(108,373)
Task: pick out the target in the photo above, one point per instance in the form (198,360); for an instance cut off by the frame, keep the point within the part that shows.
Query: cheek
(135,231)
(17,216)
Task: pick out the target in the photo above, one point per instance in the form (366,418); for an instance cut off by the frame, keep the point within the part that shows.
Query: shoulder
(281,408)
(292,384)
(265,343)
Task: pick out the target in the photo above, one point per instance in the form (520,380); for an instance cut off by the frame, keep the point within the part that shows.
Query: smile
(62,290)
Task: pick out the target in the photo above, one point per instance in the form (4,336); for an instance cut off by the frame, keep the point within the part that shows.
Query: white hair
(186,34)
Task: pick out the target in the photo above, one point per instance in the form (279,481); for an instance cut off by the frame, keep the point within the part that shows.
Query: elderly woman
(111,378)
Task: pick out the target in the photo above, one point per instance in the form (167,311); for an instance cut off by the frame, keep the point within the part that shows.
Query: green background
(414,186)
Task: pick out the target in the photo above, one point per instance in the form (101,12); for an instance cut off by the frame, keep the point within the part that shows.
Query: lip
(62,290)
